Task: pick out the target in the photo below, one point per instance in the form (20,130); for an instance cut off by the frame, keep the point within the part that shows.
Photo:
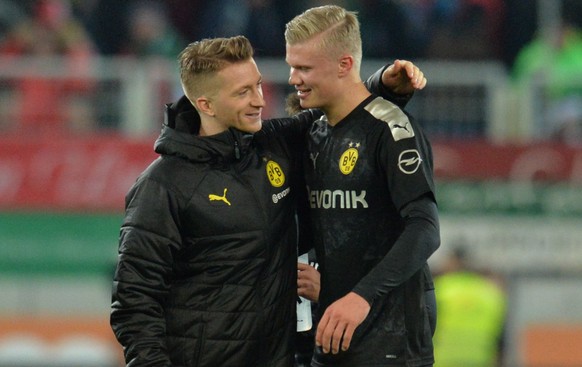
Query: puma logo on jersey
(222,198)
(391,114)
(404,126)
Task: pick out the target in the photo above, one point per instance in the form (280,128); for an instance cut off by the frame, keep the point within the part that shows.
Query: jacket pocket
(185,347)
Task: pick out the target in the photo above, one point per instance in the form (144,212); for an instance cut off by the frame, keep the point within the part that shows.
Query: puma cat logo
(223,198)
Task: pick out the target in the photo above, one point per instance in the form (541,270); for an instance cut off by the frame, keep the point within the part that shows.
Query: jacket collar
(180,137)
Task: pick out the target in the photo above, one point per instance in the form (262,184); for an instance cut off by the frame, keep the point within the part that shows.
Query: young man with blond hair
(373,213)
(207,273)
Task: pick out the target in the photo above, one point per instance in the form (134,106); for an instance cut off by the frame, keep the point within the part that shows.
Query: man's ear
(345,65)
(204,105)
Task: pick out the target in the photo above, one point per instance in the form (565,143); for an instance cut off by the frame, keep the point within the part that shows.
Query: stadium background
(82,86)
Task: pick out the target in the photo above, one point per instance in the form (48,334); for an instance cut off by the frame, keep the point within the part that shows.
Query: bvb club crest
(349,158)
(275,174)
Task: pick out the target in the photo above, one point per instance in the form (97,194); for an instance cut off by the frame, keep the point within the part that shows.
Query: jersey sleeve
(375,85)
(409,255)
(294,128)
(404,155)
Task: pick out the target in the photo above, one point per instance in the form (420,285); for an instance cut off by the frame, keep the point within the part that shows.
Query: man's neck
(209,127)
(346,102)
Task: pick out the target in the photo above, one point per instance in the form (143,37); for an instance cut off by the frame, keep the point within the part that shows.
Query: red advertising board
(92,173)
(95,172)
(481,160)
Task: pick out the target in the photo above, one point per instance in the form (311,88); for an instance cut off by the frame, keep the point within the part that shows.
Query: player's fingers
(327,335)
(337,338)
(302,266)
(398,66)
(347,337)
(391,73)
(419,75)
(407,68)
(421,83)
(320,329)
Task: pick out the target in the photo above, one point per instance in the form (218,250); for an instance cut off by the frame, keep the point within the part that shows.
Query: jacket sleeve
(375,85)
(148,239)
(293,129)
(418,241)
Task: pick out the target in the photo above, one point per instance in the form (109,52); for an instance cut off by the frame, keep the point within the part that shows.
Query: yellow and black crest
(349,158)
(275,174)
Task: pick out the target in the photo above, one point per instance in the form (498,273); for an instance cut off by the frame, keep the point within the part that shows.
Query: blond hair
(201,60)
(341,30)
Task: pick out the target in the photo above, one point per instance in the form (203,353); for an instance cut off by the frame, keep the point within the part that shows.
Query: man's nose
(293,78)
(258,99)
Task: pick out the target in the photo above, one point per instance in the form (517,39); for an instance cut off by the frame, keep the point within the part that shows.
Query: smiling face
(237,100)
(313,73)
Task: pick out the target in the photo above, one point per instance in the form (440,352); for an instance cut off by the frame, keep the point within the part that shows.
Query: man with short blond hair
(368,171)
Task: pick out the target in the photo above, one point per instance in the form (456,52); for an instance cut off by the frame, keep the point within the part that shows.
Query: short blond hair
(201,60)
(341,27)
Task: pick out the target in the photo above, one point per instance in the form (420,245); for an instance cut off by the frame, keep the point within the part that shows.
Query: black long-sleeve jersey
(374,220)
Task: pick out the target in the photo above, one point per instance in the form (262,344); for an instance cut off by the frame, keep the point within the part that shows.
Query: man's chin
(305,104)
(253,128)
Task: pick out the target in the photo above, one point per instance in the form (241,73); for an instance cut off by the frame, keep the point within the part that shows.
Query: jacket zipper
(236,150)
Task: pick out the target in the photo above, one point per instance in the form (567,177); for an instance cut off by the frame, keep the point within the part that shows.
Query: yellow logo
(348,160)
(275,174)
(222,198)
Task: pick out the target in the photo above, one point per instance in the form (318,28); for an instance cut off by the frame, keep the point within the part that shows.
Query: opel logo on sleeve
(409,161)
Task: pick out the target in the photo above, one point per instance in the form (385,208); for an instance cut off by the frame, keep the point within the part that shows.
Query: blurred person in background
(472,307)
(11,13)
(466,30)
(150,32)
(207,267)
(261,21)
(519,26)
(373,215)
(107,23)
(180,13)
(385,28)
(154,41)
(51,36)
(553,64)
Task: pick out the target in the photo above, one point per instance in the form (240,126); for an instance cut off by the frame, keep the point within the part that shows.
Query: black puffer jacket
(207,255)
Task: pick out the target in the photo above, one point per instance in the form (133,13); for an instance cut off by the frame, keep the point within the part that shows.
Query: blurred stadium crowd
(416,29)
(74,33)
